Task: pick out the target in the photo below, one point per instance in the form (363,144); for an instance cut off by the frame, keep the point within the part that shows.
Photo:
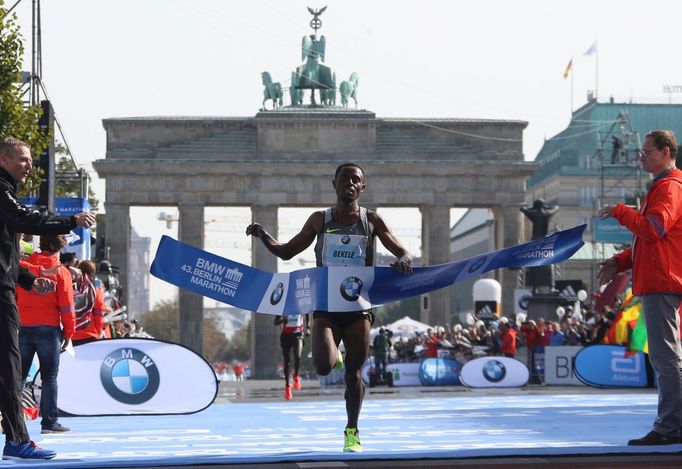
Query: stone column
(508,232)
(117,236)
(436,250)
(191,231)
(265,351)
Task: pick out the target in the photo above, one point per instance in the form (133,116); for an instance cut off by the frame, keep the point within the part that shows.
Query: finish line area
(404,429)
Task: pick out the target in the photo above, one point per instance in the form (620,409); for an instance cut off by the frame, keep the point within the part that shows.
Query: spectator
(507,338)
(90,307)
(238,369)
(556,336)
(40,317)
(381,347)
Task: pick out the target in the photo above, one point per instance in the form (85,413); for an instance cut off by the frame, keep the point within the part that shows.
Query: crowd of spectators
(502,336)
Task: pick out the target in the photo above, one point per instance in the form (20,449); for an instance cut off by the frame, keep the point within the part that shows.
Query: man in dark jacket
(15,218)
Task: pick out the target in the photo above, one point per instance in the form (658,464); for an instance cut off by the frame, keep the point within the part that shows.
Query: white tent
(405,327)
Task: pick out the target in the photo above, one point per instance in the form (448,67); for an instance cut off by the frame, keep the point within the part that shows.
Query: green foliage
(390,313)
(162,320)
(15,119)
(162,323)
(71,187)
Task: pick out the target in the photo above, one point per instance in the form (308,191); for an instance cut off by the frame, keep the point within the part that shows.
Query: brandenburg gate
(286,157)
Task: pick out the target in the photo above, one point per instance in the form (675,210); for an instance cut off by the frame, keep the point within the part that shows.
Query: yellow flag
(569,67)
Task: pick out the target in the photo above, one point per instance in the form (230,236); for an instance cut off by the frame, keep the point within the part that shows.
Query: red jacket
(655,255)
(91,310)
(52,309)
(508,342)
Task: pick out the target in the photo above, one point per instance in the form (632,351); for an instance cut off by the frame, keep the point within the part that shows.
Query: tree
(392,312)
(71,187)
(162,320)
(162,323)
(17,120)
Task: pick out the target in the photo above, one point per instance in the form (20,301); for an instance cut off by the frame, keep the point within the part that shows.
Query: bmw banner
(78,240)
(134,376)
(338,289)
(494,372)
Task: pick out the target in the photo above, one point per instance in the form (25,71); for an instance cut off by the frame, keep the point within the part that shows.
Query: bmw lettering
(129,376)
(494,371)
(277,294)
(351,288)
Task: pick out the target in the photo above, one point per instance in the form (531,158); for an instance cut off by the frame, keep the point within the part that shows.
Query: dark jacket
(16,218)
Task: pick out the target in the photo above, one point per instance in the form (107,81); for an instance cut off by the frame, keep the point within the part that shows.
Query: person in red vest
(47,325)
(90,306)
(507,338)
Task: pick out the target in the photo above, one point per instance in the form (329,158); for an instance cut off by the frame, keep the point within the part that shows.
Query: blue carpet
(442,427)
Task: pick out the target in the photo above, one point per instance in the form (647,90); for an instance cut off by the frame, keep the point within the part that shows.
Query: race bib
(344,249)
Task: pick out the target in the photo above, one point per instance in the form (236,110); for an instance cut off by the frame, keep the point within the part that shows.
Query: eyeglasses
(645,153)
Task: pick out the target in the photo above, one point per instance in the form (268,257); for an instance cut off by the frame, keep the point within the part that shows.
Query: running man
(290,339)
(345,237)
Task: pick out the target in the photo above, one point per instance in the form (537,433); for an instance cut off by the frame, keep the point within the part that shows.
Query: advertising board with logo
(404,374)
(134,376)
(440,372)
(336,288)
(611,366)
(78,240)
(559,366)
(494,372)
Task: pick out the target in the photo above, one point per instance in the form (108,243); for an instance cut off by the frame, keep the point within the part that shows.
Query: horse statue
(349,89)
(313,75)
(271,91)
(295,93)
(328,95)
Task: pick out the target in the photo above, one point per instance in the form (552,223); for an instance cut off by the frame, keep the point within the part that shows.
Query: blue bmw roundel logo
(277,294)
(345,239)
(129,376)
(494,371)
(351,288)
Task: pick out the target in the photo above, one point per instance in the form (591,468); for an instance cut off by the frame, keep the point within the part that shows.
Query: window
(587,195)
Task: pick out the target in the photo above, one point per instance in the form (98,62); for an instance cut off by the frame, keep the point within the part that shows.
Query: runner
(345,237)
(290,339)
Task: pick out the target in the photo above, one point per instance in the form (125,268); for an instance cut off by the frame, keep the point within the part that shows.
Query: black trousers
(10,370)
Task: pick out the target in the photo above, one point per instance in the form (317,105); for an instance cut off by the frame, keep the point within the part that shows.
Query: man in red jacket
(507,338)
(655,257)
(47,325)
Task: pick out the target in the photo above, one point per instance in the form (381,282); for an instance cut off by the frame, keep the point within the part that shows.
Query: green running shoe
(352,441)
(339,361)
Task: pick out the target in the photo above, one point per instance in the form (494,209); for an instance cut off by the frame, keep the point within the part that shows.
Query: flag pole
(596,73)
(571,92)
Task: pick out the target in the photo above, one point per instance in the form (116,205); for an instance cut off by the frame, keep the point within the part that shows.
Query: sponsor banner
(338,289)
(404,374)
(521,298)
(440,372)
(494,372)
(607,366)
(78,240)
(134,376)
(486,311)
(559,365)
